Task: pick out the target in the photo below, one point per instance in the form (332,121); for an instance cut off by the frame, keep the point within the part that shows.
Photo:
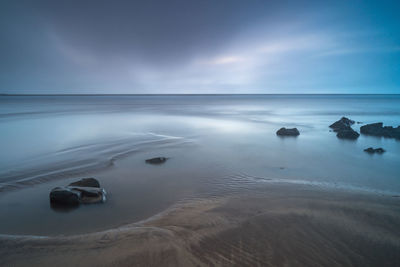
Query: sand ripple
(284,226)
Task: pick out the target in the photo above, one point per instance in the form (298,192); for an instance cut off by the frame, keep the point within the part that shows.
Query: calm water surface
(215,144)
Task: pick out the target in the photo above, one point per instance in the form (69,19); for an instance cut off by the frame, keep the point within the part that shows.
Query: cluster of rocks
(84,191)
(288,132)
(343,129)
(377,129)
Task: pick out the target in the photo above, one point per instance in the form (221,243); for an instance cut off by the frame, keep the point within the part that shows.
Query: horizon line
(207,94)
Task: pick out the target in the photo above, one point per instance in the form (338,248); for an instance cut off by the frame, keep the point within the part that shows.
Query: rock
(85,191)
(371,150)
(348,133)
(86,182)
(343,129)
(157,160)
(65,196)
(342,124)
(90,194)
(377,129)
(373,129)
(288,132)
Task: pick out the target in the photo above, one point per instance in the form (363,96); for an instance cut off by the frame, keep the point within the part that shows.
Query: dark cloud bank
(199,47)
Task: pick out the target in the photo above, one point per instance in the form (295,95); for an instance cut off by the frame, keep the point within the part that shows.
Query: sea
(215,144)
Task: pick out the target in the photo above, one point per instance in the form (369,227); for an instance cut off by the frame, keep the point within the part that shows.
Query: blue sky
(51,47)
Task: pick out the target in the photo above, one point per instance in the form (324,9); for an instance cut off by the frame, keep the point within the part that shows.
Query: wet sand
(275,225)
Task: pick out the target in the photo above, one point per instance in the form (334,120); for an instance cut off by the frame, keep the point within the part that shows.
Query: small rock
(158,160)
(371,150)
(288,132)
(342,124)
(90,194)
(86,182)
(65,196)
(347,134)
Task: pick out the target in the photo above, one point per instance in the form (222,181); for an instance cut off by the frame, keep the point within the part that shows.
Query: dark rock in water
(343,129)
(371,150)
(86,182)
(373,129)
(342,124)
(348,133)
(86,190)
(157,160)
(288,132)
(65,196)
(90,194)
(377,129)
(75,195)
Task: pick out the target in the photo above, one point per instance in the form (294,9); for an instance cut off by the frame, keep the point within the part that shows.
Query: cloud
(294,61)
(223,60)
(343,51)
(196,46)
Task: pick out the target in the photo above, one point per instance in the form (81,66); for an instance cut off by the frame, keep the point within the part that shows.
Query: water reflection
(63,208)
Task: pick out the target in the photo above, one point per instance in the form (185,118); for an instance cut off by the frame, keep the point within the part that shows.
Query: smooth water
(216,144)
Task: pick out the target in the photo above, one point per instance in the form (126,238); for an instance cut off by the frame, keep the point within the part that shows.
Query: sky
(202,46)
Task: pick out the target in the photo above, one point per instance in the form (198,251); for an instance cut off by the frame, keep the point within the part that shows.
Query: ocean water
(216,144)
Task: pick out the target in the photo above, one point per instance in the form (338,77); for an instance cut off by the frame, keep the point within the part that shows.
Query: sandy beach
(279,225)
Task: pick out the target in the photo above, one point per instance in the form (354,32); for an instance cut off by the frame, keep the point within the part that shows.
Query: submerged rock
(157,160)
(377,129)
(288,132)
(84,191)
(371,150)
(348,133)
(86,182)
(342,124)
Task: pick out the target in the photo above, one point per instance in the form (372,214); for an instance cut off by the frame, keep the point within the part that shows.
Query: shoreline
(331,226)
(313,186)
